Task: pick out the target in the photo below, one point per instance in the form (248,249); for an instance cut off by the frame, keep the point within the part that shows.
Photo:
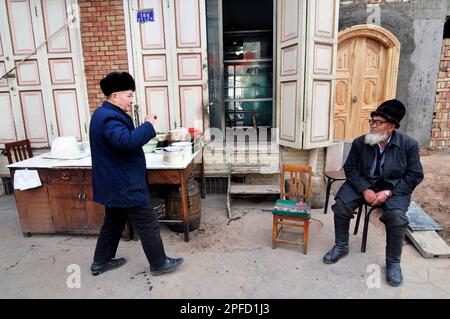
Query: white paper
(26,179)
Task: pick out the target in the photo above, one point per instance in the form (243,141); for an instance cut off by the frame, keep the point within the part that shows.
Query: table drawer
(65,176)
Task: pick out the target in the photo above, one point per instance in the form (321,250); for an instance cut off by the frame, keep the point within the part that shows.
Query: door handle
(355,99)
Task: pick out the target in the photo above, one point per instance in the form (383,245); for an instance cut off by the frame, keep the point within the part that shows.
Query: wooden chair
(20,149)
(15,152)
(293,213)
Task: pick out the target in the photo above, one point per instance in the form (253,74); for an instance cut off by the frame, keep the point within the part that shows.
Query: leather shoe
(336,253)
(168,265)
(97,268)
(394,274)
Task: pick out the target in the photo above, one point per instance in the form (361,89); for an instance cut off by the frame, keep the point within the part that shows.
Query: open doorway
(248,64)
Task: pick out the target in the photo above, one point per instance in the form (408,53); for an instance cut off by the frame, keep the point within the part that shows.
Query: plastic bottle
(192,133)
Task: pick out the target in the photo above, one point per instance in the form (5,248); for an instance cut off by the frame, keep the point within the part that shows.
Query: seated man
(382,169)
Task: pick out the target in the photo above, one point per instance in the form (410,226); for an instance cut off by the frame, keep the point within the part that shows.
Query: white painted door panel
(47,91)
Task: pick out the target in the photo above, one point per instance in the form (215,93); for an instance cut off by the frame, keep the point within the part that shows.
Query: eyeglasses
(376,122)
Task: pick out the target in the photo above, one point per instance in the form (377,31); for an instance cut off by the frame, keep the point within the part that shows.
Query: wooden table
(64,203)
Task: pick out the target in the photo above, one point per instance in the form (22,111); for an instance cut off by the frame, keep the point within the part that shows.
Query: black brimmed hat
(392,110)
(116,82)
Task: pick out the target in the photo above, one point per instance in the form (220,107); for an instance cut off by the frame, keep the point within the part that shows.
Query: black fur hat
(116,82)
(392,110)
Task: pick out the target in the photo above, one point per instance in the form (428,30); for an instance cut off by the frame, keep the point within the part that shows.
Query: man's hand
(369,196)
(381,198)
(150,118)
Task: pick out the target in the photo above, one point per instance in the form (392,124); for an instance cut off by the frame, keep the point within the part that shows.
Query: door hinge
(85,128)
(168,3)
(52,131)
(36,11)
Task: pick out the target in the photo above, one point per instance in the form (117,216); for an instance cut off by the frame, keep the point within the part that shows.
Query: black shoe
(340,249)
(336,253)
(394,244)
(394,274)
(168,265)
(97,268)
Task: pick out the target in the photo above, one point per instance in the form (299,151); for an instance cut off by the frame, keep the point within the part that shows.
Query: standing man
(382,169)
(119,178)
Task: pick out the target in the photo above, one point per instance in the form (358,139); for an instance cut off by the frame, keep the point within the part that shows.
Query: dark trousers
(143,220)
(390,217)
(395,221)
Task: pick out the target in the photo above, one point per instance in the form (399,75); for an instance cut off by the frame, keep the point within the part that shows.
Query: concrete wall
(418,25)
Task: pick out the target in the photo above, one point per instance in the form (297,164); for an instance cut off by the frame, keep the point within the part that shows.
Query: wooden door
(170,62)
(67,206)
(366,76)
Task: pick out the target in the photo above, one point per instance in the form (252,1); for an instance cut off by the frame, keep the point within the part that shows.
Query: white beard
(373,139)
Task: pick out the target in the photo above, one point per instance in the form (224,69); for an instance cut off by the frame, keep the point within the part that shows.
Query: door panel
(7,129)
(34,116)
(306,72)
(55,18)
(61,71)
(28,73)
(152,34)
(66,106)
(157,103)
(190,104)
(291,28)
(67,207)
(53,67)
(187,14)
(320,72)
(21,26)
(170,62)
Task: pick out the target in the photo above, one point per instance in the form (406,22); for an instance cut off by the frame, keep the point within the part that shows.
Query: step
(252,169)
(254,189)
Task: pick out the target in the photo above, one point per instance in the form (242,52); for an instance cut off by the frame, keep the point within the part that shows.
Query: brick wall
(440,131)
(104,45)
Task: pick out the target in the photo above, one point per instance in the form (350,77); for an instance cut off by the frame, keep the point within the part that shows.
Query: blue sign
(145,15)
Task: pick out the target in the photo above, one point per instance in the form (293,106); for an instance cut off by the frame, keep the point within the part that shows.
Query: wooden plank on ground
(252,189)
(429,243)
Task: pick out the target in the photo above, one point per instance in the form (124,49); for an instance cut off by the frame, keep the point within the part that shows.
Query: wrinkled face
(380,126)
(122,99)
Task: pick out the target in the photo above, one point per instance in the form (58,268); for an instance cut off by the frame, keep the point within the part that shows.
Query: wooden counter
(64,203)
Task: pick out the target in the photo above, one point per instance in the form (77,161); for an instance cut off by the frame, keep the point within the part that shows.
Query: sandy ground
(433,194)
(223,259)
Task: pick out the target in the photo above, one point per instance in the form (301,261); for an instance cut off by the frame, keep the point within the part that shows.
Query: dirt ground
(433,194)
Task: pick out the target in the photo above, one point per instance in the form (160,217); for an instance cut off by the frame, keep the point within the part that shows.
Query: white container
(150,146)
(86,146)
(173,155)
(187,148)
